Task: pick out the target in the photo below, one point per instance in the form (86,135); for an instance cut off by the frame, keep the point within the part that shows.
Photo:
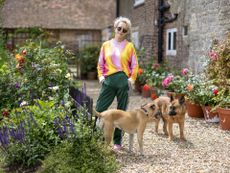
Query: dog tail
(96,113)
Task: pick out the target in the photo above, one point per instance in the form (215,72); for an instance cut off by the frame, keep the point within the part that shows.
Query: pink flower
(213,55)
(184,71)
(215,91)
(167,80)
(155,66)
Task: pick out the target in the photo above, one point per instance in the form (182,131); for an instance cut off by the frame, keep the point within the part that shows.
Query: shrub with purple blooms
(33,131)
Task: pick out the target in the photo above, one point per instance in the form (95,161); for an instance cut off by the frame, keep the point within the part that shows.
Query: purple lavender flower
(17,85)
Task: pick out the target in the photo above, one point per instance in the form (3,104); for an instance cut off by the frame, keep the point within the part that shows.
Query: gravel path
(207,149)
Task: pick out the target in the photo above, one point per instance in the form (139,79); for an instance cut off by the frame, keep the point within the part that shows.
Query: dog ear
(181,100)
(171,97)
(153,107)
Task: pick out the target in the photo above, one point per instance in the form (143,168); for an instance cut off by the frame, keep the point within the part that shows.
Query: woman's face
(121,31)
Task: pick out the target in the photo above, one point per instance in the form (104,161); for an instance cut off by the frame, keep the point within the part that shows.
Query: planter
(224,115)
(138,86)
(145,93)
(194,110)
(153,93)
(210,116)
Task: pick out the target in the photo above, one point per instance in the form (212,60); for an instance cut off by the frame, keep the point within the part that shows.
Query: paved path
(207,149)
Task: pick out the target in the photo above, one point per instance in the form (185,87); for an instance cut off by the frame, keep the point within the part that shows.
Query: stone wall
(207,20)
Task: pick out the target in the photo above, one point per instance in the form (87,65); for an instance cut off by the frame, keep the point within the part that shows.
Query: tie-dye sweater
(118,56)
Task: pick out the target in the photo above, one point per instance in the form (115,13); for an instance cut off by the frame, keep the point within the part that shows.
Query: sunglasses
(122,29)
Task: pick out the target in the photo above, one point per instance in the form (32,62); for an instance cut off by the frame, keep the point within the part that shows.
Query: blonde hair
(125,20)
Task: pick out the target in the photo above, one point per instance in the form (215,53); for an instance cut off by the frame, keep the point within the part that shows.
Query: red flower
(5,113)
(146,87)
(215,91)
(24,52)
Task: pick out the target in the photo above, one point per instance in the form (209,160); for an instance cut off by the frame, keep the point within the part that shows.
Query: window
(171,41)
(138,2)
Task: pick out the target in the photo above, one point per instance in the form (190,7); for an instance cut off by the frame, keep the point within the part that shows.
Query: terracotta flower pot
(145,93)
(210,116)
(194,110)
(153,93)
(224,115)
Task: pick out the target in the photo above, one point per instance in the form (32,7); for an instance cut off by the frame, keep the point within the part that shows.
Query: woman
(117,71)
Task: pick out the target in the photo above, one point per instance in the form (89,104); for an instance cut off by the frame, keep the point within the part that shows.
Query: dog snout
(172,112)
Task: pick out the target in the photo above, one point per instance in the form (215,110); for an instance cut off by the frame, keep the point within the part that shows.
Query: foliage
(193,87)
(177,83)
(31,132)
(89,58)
(218,70)
(153,74)
(36,72)
(208,93)
(84,154)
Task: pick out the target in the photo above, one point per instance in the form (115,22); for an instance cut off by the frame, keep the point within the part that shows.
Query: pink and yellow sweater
(117,56)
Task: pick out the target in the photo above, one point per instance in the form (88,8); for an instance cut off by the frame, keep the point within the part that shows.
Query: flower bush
(36,72)
(176,83)
(193,88)
(218,70)
(155,74)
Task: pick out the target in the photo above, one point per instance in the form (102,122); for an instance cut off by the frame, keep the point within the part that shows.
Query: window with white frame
(171,41)
(138,2)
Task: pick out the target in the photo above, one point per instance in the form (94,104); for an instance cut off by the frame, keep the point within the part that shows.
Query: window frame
(170,50)
(138,2)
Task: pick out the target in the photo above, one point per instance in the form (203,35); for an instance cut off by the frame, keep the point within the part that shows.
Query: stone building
(189,28)
(74,22)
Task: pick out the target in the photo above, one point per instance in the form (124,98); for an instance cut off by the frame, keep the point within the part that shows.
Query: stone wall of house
(207,20)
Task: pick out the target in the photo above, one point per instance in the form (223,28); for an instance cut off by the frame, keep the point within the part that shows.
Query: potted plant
(176,84)
(193,96)
(217,69)
(208,94)
(88,60)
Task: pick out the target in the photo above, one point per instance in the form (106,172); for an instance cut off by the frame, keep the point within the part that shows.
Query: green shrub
(36,72)
(31,132)
(82,155)
(89,58)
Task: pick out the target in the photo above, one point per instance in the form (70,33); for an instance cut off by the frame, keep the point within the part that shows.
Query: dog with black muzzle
(173,111)
(131,122)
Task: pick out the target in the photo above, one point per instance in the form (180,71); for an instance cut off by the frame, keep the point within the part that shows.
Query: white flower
(55,88)
(68,76)
(23,103)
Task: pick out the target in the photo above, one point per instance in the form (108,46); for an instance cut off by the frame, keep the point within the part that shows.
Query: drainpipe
(117,8)
(162,8)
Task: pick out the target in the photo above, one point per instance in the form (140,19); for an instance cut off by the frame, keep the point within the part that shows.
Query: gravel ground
(207,149)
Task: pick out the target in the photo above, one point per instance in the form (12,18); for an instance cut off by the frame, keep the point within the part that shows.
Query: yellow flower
(18,57)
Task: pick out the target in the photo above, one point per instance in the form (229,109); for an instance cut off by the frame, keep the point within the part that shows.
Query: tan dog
(128,121)
(173,111)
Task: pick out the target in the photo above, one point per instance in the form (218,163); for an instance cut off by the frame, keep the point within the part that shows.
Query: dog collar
(146,112)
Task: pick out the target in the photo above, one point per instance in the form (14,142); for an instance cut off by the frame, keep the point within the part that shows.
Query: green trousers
(115,85)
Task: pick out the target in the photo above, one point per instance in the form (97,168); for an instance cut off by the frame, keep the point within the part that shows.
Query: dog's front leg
(131,142)
(140,133)
(165,124)
(170,131)
(181,126)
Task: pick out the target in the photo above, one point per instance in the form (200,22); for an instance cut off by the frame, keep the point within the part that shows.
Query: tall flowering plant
(218,70)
